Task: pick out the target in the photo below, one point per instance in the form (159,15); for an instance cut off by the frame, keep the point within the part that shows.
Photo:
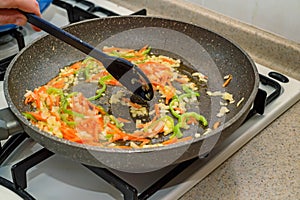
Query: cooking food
(85,104)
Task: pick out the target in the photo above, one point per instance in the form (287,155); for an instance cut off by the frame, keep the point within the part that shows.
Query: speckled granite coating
(268,167)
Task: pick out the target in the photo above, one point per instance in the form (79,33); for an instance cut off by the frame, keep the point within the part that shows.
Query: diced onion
(223,111)
(240,101)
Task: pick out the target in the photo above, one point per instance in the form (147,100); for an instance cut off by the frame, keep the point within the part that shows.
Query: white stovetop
(58,177)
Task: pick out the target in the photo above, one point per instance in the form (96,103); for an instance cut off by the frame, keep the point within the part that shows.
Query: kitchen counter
(267,167)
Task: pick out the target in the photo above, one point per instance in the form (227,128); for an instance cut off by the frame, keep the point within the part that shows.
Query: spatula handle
(60,33)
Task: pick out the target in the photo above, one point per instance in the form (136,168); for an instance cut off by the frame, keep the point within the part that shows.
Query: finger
(8,16)
(12,17)
(30,6)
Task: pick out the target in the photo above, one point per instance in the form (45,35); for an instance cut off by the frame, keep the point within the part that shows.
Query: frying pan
(198,48)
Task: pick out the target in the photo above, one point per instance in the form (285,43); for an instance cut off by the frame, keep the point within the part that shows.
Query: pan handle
(9,124)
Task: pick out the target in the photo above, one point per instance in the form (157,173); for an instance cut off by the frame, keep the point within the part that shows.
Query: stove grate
(11,186)
(10,145)
(19,171)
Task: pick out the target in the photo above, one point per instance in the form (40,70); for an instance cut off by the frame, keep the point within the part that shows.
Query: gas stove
(55,177)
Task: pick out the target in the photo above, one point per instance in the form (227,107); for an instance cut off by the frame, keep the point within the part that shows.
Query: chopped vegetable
(182,122)
(239,102)
(103,87)
(216,125)
(225,95)
(58,110)
(223,111)
(227,78)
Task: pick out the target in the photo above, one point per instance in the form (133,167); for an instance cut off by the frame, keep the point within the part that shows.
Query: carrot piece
(216,125)
(192,120)
(119,134)
(146,64)
(147,124)
(124,147)
(141,57)
(142,49)
(91,126)
(49,102)
(170,141)
(67,132)
(41,90)
(113,82)
(175,140)
(100,110)
(116,129)
(37,116)
(135,105)
(101,123)
(156,108)
(30,98)
(76,65)
(59,84)
(52,81)
(37,93)
(171,62)
(37,99)
(181,80)
(185,139)
(70,134)
(70,72)
(181,111)
(169,92)
(56,115)
(120,119)
(227,80)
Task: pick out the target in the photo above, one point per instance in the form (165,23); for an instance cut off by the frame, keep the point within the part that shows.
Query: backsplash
(280,16)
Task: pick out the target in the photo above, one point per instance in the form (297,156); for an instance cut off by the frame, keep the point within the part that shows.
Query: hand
(10,15)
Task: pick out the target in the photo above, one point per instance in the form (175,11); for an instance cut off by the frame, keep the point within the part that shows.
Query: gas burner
(12,41)
(5,38)
(13,37)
